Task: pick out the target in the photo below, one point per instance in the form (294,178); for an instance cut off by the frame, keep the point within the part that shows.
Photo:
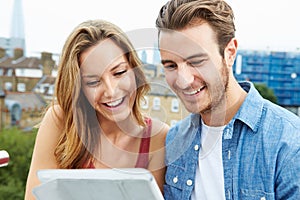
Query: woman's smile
(115,103)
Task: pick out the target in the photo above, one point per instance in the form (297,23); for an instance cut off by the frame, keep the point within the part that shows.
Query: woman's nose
(109,87)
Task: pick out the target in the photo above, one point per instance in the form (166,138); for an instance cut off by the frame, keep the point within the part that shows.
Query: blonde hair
(81,130)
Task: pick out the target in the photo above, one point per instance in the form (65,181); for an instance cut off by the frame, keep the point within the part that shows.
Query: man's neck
(235,96)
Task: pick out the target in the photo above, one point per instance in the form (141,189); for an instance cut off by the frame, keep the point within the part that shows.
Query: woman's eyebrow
(89,76)
(96,76)
(118,65)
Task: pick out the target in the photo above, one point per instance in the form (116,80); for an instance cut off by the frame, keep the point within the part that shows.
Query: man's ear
(230,52)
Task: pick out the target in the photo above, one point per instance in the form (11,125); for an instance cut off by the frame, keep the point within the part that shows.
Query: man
(235,144)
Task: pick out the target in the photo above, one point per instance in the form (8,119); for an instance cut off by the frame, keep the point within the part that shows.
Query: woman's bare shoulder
(159,127)
(52,120)
(158,133)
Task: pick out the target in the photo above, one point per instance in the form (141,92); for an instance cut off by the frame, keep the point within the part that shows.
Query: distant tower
(156,54)
(17,34)
(17,23)
(144,57)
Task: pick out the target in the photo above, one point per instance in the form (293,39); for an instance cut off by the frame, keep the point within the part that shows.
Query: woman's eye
(93,83)
(119,73)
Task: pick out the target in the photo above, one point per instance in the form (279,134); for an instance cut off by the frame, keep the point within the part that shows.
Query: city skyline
(261,25)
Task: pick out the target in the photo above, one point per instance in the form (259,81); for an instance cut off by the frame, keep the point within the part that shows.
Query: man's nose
(185,77)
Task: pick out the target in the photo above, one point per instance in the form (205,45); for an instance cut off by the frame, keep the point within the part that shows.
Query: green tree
(266,92)
(13,177)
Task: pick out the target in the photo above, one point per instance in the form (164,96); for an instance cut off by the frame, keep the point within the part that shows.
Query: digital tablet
(102,184)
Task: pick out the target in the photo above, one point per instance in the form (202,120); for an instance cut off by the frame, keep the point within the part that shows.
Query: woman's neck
(114,130)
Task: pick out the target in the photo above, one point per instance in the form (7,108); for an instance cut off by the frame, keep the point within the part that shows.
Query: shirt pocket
(247,194)
(174,182)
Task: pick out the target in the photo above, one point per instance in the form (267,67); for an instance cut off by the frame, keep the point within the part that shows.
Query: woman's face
(108,81)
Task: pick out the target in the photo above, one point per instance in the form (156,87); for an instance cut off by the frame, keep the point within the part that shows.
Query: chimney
(46,56)
(18,53)
(47,62)
(14,81)
(2,53)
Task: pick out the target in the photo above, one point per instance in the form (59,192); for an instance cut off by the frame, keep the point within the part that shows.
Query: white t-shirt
(209,180)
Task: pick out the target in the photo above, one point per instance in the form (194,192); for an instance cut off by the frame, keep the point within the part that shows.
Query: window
(173,122)
(145,103)
(21,87)
(51,90)
(156,103)
(238,64)
(175,105)
(20,72)
(9,72)
(8,86)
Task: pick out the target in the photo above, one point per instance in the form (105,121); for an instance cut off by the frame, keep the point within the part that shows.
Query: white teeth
(192,92)
(115,103)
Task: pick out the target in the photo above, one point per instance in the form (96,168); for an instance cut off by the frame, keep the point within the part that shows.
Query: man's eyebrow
(188,58)
(166,61)
(196,56)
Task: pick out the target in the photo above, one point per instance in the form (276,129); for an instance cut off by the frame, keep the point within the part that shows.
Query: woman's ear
(230,52)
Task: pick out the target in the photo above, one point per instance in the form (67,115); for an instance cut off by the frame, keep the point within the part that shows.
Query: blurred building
(160,103)
(17,31)
(9,44)
(280,71)
(28,83)
(2,107)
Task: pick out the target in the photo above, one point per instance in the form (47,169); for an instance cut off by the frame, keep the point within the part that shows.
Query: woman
(95,120)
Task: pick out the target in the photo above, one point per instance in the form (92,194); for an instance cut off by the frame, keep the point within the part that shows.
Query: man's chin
(193,109)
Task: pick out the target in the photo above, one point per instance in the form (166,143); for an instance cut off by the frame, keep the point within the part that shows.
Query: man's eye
(195,63)
(170,66)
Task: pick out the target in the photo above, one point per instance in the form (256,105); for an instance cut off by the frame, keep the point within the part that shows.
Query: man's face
(194,68)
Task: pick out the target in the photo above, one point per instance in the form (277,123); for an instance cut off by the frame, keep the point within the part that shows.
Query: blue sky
(261,24)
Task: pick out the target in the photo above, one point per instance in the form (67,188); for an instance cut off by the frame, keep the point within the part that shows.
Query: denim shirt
(260,150)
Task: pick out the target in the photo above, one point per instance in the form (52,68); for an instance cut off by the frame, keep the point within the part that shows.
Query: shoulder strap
(143,158)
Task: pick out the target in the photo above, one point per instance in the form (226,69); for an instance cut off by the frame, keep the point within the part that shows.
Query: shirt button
(227,135)
(229,194)
(229,155)
(189,182)
(196,147)
(263,198)
(175,179)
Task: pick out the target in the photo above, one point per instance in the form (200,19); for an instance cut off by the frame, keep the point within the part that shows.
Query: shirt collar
(250,111)
(195,120)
